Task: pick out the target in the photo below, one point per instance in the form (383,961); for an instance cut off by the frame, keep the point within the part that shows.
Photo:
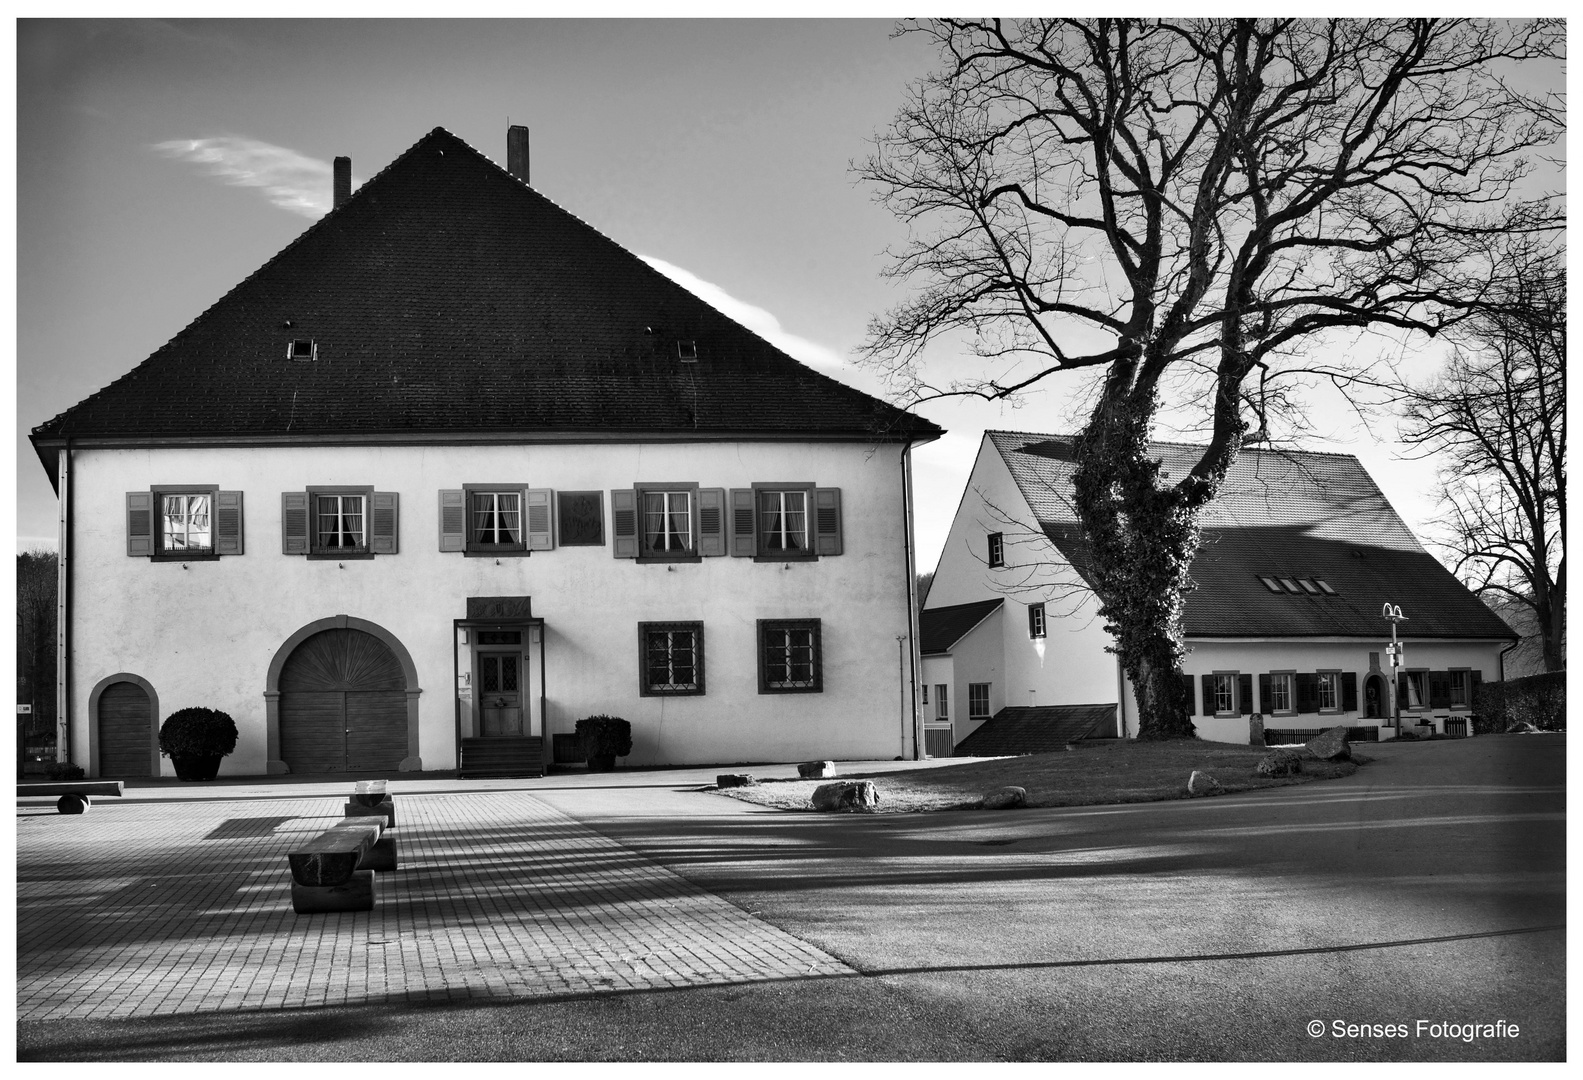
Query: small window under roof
(1291,586)
(1324,586)
(1308,586)
(687,351)
(302,349)
(1270,583)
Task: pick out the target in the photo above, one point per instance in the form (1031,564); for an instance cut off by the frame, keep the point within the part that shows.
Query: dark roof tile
(941,628)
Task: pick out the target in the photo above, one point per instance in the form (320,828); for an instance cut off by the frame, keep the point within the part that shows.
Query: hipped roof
(447,297)
(1284,514)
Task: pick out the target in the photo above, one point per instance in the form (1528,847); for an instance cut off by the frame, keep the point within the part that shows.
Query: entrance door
(500,678)
(124,731)
(343,705)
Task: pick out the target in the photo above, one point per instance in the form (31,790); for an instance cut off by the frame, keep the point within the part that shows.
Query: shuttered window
(784,522)
(339,522)
(1329,690)
(184,522)
(1279,699)
(678,522)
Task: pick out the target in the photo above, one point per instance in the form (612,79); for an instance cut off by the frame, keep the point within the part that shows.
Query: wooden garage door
(343,705)
(124,731)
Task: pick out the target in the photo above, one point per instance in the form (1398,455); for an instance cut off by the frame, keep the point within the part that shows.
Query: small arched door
(125,731)
(343,705)
(1374,707)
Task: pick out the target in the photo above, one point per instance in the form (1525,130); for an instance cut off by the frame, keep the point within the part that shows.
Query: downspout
(456,681)
(912,598)
(546,751)
(63,607)
(1500,661)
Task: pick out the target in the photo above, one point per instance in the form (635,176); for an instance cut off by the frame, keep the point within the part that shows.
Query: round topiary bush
(196,739)
(602,739)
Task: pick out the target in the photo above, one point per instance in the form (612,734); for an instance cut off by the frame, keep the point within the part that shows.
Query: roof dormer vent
(687,351)
(302,349)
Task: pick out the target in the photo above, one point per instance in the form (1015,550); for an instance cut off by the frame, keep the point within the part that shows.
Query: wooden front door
(343,705)
(124,731)
(500,692)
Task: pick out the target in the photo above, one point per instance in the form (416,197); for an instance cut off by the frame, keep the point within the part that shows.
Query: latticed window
(497,517)
(1036,620)
(340,523)
(1457,689)
(673,657)
(667,522)
(978,700)
(789,660)
(186,525)
(1225,695)
(783,522)
(1329,685)
(1280,694)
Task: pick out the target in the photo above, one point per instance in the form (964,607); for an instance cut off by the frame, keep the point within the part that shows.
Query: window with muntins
(942,698)
(1457,688)
(997,550)
(186,524)
(183,522)
(672,658)
(789,656)
(496,520)
(978,701)
(1036,620)
(1329,687)
(1414,689)
(340,523)
(667,523)
(783,522)
(1225,687)
(1281,693)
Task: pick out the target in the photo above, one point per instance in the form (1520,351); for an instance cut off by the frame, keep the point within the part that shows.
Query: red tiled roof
(1287,514)
(448,297)
(942,627)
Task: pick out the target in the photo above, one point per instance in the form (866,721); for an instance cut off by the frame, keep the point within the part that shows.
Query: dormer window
(302,349)
(687,351)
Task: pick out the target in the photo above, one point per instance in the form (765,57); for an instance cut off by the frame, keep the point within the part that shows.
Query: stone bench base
(354,894)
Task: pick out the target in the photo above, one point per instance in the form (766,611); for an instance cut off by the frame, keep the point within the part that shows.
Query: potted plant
(602,739)
(195,740)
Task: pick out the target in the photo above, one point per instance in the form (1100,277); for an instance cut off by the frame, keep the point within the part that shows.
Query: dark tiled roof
(1286,514)
(446,296)
(1037,729)
(940,628)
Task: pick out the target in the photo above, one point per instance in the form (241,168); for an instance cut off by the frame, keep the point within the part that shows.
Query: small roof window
(1291,586)
(1270,583)
(302,349)
(1324,586)
(687,351)
(1308,586)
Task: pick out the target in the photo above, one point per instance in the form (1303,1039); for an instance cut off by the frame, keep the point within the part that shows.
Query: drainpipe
(63,606)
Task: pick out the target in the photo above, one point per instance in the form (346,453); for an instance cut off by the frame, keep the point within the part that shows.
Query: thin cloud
(286,178)
(756,319)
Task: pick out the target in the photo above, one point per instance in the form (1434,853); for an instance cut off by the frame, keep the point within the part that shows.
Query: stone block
(1280,763)
(354,894)
(386,810)
(725,780)
(382,856)
(1201,783)
(1330,745)
(1007,798)
(817,770)
(73,804)
(846,795)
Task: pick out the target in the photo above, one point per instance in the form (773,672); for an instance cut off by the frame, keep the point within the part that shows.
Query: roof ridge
(1277,451)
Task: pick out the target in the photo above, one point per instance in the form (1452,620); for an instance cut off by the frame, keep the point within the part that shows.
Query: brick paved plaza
(172,902)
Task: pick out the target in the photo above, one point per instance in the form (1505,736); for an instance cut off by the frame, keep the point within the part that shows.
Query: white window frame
(1228,679)
(1037,627)
(942,702)
(1330,679)
(474,541)
(996,550)
(763,495)
(668,493)
(1287,679)
(1466,677)
(316,533)
(1419,687)
(163,546)
(976,691)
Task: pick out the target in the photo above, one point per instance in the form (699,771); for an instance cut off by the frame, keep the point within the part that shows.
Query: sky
(159,163)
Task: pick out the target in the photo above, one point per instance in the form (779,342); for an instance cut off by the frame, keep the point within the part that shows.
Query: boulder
(846,795)
(1256,729)
(1280,763)
(1521,727)
(1007,798)
(1201,783)
(817,770)
(726,780)
(1330,745)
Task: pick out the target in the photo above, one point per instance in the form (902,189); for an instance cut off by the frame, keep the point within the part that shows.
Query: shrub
(1540,700)
(197,732)
(604,736)
(63,770)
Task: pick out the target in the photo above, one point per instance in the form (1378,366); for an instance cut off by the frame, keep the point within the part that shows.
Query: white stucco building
(454,470)
(1300,553)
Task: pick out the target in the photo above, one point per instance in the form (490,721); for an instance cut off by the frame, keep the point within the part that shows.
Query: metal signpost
(1394,614)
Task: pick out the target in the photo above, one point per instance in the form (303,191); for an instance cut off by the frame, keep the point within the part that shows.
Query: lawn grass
(1109,772)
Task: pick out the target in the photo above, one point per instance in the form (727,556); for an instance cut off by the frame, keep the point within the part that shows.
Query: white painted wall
(205,634)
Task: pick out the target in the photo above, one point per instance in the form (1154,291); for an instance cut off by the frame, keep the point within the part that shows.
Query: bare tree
(1497,417)
(35,636)
(1182,207)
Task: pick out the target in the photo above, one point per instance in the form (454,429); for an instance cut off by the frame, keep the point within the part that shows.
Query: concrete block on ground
(726,780)
(816,770)
(385,809)
(382,856)
(354,894)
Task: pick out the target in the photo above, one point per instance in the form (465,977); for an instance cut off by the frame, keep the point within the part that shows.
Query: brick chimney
(517,152)
(343,180)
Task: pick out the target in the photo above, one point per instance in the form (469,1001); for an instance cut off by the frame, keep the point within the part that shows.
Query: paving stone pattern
(160,907)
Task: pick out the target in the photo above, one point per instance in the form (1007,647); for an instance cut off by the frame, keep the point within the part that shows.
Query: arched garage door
(343,705)
(124,731)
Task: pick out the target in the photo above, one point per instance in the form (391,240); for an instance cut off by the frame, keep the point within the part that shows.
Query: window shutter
(228,523)
(294,522)
(1474,679)
(1349,691)
(383,531)
(140,523)
(744,522)
(711,521)
(1209,695)
(1245,695)
(624,522)
(1402,700)
(540,530)
(827,503)
(1440,689)
(1187,693)
(1264,694)
(1305,685)
(453,520)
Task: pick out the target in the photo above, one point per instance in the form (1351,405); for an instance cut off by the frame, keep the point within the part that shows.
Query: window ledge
(762,558)
(320,556)
(652,559)
(207,556)
(485,553)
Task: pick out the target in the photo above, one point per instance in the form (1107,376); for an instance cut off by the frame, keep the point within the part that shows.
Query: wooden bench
(75,795)
(335,870)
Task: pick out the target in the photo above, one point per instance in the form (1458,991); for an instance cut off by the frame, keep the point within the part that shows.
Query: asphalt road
(1430,887)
